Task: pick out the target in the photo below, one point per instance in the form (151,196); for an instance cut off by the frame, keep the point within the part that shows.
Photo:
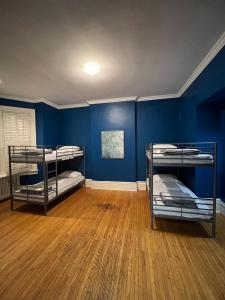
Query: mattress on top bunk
(35,192)
(162,159)
(171,154)
(170,195)
(39,157)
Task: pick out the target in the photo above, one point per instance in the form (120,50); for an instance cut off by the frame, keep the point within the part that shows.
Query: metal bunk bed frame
(45,163)
(211,147)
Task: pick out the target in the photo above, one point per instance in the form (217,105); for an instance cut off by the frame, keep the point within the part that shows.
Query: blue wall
(198,116)
(208,83)
(143,122)
(47,120)
(75,130)
(197,123)
(222,169)
(208,124)
(47,128)
(157,122)
(113,116)
(48,124)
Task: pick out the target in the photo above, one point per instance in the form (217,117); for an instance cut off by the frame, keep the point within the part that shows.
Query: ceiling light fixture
(91,68)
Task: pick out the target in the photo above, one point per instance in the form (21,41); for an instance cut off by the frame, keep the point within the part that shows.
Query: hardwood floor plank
(97,244)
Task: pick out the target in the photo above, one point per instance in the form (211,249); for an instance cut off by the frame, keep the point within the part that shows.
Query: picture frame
(112,144)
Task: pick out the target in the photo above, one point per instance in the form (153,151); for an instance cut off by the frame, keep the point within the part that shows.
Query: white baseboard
(88,182)
(111,185)
(220,207)
(134,186)
(141,185)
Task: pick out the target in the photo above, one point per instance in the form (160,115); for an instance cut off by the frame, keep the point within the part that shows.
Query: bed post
(45,182)
(147,170)
(84,166)
(10,179)
(151,185)
(56,172)
(214,191)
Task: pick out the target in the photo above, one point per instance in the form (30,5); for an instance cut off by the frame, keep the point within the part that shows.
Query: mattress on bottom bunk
(64,183)
(173,199)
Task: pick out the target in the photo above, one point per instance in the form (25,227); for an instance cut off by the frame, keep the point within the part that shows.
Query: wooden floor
(98,245)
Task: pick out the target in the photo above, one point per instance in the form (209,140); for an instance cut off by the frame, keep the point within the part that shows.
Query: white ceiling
(144,48)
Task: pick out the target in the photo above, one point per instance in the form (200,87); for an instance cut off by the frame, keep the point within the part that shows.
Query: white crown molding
(157,97)
(30,100)
(7,97)
(112,100)
(50,103)
(73,105)
(204,63)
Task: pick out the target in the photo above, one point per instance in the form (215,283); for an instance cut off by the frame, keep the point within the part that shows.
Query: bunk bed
(53,182)
(169,197)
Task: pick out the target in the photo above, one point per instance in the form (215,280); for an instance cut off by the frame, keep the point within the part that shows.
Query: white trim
(30,100)
(112,100)
(31,112)
(88,182)
(204,63)
(17,109)
(67,106)
(112,185)
(157,97)
(50,103)
(220,206)
(141,185)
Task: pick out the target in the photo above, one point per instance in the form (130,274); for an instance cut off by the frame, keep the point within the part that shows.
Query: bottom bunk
(173,200)
(38,193)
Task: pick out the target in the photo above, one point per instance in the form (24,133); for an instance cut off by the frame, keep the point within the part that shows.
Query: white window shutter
(17,128)
(23,129)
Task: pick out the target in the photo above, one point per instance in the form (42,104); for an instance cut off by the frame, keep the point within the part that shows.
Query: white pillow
(69,148)
(164,146)
(70,174)
(160,148)
(185,151)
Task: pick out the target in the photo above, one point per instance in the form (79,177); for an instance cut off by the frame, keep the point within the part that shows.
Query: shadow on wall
(210,127)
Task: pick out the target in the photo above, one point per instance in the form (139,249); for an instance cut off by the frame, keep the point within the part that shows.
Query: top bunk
(41,154)
(201,154)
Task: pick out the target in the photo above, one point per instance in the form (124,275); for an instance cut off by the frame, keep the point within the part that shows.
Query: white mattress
(63,185)
(164,190)
(31,158)
(162,159)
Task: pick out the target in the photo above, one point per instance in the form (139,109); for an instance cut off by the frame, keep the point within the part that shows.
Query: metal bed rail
(209,204)
(205,157)
(47,173)
(183,205)
(38,154)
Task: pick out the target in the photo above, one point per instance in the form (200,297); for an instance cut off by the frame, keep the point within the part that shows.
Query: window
(17,128)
